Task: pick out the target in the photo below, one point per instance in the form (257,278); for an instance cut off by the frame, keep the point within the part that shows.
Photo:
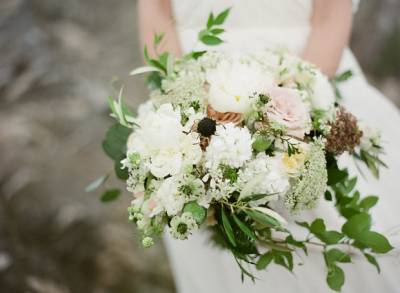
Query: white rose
(233,83)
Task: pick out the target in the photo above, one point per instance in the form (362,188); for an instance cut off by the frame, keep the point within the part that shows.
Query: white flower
(168,198)
(370,137)
(161,138)
(229,146)
(323,97)
(263,175)
(181,227)
(233,83)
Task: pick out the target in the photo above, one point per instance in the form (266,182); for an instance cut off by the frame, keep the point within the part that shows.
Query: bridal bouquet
(237,142)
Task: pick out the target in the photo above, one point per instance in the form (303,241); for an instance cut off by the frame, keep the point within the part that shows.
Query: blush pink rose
(287,108)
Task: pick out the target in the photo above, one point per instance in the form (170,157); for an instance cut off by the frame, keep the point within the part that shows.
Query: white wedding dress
(255,24)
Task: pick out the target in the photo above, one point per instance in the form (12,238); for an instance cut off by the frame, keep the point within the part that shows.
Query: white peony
(229,146)
(161,138)
(233,83)
(323,96)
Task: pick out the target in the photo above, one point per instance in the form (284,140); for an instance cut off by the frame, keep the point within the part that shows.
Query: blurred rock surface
(58,61)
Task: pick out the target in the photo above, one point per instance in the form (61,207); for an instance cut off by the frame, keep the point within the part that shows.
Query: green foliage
(371,160)
(264,260)
(335,278)
(210,35)
(342,77)
(198,212)
(263,219)
(228,228)
(318,228)
(110,195)
(245,229)
(262,143)
(114,143)
(372,260)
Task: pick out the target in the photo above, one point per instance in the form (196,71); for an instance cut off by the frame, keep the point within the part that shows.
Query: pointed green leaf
(335,255)
(110,195)
(220,19)
(228,228)
(377,242)
(368,202)
(246,230)
(372,260)
(335,278)
(356,225)
(264,261)
(211,40)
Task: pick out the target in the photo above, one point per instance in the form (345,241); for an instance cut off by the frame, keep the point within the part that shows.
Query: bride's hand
(155,16)
(331,23)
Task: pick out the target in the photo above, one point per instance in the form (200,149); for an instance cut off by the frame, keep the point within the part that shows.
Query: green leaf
(330,237)
(198,212)
(368,202)
(220,19)
(97,183)
(336,255)
(335,278)
(110,195)
(115,142)
(343,76)
(254,197)
(356,225)
(210,20)
(335,175)
(211,40)
(263,218)
(351,184)
(198,54)
(217,31)
(157,38)
(228,228)
(283,258)
(264,261)
(372,260)
(377,242)
(261,144)
(303,224)
(317,226)
(246,230)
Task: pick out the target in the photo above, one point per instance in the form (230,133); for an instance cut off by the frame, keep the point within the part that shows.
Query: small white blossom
(229,146)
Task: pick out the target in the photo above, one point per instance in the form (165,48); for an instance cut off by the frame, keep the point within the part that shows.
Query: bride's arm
(331,26)
(155,16)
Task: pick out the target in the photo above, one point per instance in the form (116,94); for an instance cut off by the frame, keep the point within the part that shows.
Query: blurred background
(57,63)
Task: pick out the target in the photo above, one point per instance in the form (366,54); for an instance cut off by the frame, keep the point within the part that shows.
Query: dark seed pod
(207,126)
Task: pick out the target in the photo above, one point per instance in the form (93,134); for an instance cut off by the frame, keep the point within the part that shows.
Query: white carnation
(229,146)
